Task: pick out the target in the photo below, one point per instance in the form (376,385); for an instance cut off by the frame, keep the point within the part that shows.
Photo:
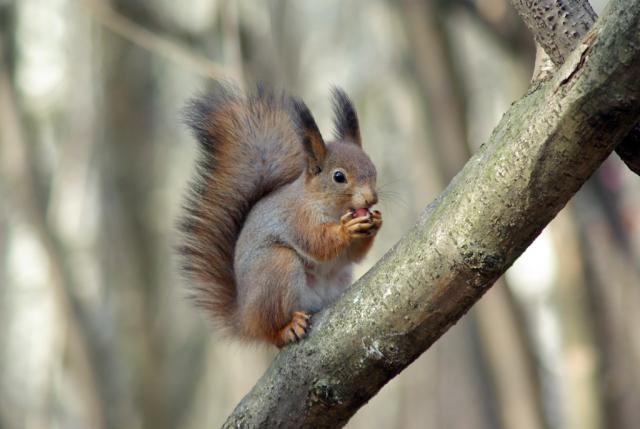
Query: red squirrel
(276,217)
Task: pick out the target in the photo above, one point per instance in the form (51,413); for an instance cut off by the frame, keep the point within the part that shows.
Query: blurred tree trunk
(129,249)
(612,293)
(508,352)
(581,356)
(26,188)
(439,81)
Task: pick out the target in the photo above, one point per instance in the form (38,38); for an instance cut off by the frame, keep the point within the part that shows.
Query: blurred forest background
(94,160)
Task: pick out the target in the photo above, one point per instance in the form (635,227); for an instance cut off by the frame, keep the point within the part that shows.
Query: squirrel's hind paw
(294,330)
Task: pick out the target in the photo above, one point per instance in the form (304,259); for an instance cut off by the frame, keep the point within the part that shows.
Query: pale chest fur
(325,281)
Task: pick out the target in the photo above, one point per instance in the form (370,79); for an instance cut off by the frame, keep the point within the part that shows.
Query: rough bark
(558,26)
(543,150)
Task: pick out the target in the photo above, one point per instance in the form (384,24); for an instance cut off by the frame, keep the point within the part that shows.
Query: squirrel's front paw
(362,226)
(295,330)
(376,219)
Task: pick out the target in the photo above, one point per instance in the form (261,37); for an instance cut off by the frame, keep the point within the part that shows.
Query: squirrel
(275,217)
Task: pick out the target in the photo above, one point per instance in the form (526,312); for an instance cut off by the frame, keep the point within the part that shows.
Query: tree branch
(154,43)
(543,150)
(558,26)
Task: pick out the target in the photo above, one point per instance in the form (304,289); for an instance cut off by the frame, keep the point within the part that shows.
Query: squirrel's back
(249,146)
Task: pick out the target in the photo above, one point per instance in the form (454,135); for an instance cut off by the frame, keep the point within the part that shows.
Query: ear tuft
(345,117)
(312,141)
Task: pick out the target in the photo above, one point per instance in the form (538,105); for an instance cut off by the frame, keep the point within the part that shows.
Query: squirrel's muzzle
(367,197)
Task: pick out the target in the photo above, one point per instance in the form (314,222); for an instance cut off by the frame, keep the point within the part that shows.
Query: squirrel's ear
(345,118)
(312,141)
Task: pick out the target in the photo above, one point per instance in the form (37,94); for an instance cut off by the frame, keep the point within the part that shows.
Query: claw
(359,220)
(346,217)
(296,329)
(359,227)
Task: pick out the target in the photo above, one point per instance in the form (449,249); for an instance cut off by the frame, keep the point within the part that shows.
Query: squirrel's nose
(371,199)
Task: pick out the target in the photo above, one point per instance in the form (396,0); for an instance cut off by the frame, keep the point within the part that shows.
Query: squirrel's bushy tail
(249,146)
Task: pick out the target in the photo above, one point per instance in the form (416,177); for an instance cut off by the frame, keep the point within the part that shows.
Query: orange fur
(323,242)
(359,249)
(271,310)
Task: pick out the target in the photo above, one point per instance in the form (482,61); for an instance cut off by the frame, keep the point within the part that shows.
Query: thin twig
(154,43)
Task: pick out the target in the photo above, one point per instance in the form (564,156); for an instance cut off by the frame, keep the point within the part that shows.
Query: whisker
(392,200)
(394,183)
(391,182)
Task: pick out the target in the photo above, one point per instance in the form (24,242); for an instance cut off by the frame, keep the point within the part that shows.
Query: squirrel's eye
(339,177)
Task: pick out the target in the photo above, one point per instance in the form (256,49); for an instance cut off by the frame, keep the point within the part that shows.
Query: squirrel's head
(340,171)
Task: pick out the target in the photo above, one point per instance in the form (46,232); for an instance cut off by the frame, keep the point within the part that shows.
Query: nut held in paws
(361,212)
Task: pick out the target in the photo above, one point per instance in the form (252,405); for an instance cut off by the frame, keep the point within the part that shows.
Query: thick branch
(543,150)
(558,26)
